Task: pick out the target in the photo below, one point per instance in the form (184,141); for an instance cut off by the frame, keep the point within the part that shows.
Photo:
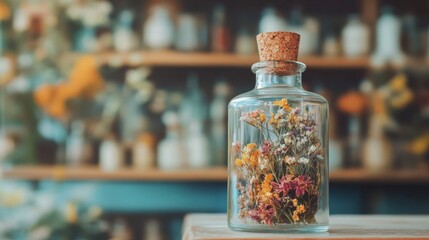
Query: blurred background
(113,112)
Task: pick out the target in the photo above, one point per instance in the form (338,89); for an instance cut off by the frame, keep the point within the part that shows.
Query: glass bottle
(278,146)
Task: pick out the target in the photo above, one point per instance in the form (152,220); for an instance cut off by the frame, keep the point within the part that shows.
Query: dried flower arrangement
(279,178)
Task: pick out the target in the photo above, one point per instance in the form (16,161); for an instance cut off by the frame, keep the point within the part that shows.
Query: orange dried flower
(295,202)
(283,103)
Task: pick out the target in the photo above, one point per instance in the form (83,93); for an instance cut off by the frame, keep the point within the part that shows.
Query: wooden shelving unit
(218,174)
(207,59)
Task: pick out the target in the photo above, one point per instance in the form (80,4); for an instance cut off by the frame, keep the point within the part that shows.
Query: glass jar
(278,154)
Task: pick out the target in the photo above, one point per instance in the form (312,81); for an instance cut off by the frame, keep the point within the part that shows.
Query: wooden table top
(350,227)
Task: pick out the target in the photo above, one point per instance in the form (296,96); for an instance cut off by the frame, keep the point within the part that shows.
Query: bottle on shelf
(221,35)
(111,154)
(171,150)
(412,35)
(121,230)
(78,151)
(193,116)
(124,38)
(354,104)
(331,45)
(245,43)
(144,152)
(355,38)
(152,229)
(218,117)
(158,30)
(307,28)
(388,39)
(271,21)
(187,32)
(376,149)
(197,146)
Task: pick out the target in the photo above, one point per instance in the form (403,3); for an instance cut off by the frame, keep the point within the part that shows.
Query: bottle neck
(264,80)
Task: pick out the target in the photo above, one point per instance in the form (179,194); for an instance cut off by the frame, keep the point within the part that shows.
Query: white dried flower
(308,133)
(319,157)
(312,149)
(303,160)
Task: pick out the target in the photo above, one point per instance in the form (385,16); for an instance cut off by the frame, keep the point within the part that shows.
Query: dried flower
(303,160)
(294,202)
(236,147)
(300,208)
(301,185)
(295,216)
(271,183)
(263,214)
(254,118)
(283,104)
(239,162)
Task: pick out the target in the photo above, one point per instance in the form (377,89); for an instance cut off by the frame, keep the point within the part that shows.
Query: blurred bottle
(413,46)
(152,230)
(245,43)
(218,118)
(331,45)
(144,152)
(171,150)
(388,36)
(193,116)
(187,33)
(203,32)
(197,145)
(271,21)
(124,38)
(376,150)
(308,29)
(86,40)
(78,150)
(121,230)
(221,36)
(158,30)
(355,38)
(111,154)
(354,143)
(193,107)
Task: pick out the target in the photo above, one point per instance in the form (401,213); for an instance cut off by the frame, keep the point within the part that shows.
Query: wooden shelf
(393,176)
(205,59)
(60,173)
(194,175)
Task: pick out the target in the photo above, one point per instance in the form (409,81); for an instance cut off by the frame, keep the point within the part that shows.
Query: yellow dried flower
(295,216)
(300,209)
(265,193)
(295,202)
(239,162)
(251,146)
(262,117)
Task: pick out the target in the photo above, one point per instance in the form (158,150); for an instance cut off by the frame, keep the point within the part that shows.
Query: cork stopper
(278,46)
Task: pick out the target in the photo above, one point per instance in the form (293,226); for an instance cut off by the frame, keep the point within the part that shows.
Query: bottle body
(278,154)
